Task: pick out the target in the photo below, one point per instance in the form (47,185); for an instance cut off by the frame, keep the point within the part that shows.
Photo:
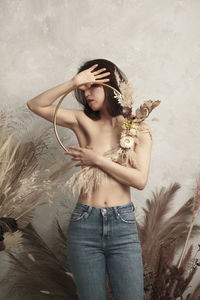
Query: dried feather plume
(125,98)
(35,270)
(12,240)
(160,236)
(196,207)
(23,186)
(38,270)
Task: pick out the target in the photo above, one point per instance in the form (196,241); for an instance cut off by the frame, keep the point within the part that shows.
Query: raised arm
(42,105)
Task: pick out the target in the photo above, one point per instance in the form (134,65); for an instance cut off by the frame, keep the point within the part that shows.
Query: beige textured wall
(156,43)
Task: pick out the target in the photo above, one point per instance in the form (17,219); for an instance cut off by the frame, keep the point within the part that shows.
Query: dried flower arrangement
(160,238)
(23,186)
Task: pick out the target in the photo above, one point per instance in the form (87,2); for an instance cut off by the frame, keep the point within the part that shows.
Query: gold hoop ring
(58,105)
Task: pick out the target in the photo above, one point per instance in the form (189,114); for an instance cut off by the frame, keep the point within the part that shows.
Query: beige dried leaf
(144,110)
(23,185)
(197,198)
(125,99)
(12,240)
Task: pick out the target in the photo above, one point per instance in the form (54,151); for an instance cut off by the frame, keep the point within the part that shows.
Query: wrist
(98,160)
(74,83)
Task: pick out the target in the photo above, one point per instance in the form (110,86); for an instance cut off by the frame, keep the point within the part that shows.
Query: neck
(106,118)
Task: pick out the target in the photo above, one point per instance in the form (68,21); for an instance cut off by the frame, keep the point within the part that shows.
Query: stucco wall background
(156,43)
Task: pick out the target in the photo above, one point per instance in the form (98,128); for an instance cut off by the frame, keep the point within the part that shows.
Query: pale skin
(96,137)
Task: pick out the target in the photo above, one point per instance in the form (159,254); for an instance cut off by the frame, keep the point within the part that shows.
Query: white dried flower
(133,131)
(126,141)
(118,97)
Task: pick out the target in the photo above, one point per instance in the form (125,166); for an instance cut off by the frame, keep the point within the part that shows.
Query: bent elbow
(138,186)
(141,187)
(28,105)
(142,183)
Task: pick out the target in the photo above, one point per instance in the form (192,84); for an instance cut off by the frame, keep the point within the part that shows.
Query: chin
(95,109)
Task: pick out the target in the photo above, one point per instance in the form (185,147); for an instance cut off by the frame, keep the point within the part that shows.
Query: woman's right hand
(87,76)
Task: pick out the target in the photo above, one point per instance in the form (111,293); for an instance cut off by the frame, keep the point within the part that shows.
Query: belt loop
(89,209)
(87,212)
(116,212)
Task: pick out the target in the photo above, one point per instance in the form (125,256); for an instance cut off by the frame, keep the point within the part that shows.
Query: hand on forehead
(88,85)
(85,86)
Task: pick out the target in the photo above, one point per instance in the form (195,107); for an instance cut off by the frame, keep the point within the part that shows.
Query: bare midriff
(111,192)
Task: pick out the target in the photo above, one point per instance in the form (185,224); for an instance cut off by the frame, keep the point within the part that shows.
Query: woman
(102,234)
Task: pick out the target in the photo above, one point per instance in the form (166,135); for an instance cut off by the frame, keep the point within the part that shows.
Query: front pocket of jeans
(127,216)
(78,214)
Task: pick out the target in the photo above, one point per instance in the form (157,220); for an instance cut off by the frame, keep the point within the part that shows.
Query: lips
(89,100)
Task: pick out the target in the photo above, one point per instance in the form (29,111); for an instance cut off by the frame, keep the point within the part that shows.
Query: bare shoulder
(143,150)
(79,112)
(145,132)
(82,118)
(80,115)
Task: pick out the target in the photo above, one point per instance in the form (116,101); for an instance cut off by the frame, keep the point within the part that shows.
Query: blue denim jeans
(105,239)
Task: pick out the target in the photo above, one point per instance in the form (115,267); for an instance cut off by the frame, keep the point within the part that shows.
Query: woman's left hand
(87,156)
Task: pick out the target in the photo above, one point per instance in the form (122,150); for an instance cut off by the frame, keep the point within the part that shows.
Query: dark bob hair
(112,105)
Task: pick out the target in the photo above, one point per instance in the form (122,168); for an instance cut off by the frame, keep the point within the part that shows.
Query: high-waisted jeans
(105,239)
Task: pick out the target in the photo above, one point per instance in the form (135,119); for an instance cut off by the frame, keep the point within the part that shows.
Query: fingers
(99,71)
(75,148)
(78,165)
(74,154)
(102,80)
(76,158)
(93,67)
(102,75)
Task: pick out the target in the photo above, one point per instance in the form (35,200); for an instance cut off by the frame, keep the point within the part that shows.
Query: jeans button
(104,211)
